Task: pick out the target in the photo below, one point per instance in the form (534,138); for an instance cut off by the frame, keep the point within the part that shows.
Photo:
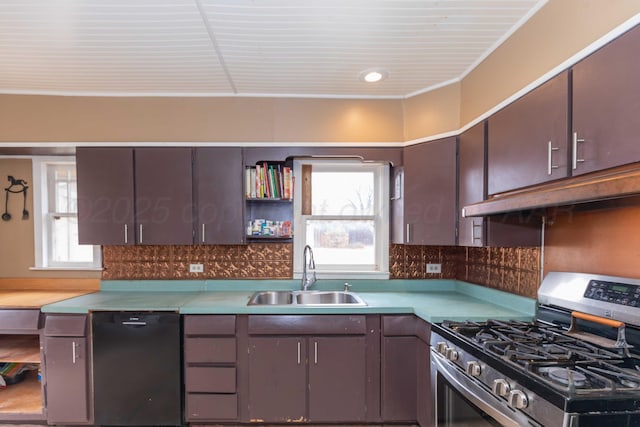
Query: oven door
(459,400)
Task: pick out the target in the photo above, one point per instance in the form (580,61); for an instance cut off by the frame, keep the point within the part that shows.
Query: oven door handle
(480,397)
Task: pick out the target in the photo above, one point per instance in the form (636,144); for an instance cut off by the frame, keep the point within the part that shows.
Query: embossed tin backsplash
(515,270)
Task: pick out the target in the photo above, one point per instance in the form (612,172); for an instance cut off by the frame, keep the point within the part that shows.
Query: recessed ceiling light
(373,75)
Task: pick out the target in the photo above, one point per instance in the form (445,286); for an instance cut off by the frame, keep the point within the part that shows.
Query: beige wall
(35,118)
(432,113)
(16,241)
(558,31)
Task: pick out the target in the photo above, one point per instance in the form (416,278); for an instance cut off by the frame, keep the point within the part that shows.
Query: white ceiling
(247,47)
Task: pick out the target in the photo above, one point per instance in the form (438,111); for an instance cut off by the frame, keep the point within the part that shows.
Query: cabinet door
(164,208)
(606,106)
(430,193)
(472,183)
(337,379)
(66,379)
(527,140)
(105,196)
(218,182)
(425,401)
(277,379)
(399,378)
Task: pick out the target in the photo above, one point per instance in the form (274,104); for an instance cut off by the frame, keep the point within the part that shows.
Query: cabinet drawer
(307,324)
(20,321)
(210,325)
(210,379)
(210,350)
(399,325)
(211,406)
(60,325)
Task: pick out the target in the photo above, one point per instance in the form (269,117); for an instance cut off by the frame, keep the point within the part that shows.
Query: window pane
(64,245)
(338,242)
(65,199)
(342,193)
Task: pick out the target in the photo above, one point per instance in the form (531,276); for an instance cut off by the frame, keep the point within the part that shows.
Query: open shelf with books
(269,201)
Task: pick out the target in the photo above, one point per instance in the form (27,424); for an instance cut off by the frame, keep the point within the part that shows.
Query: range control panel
(613,292)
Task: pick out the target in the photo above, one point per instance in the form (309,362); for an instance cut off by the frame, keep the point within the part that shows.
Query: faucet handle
(347,287)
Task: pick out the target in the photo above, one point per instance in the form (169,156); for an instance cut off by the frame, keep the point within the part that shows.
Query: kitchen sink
(306,298)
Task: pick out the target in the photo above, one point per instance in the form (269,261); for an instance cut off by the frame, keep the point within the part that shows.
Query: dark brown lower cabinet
(337,379)
(406,388)
(312,369)
(423,386)
(277,379)
(210,373)
(285,371)
(66,369)
(399,380)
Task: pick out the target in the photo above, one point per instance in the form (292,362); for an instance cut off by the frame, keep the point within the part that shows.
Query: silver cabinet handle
(574,148)
(473,231)
(315,352)
(203,232)
(126,233)
(408,228)
(74,355)
(140,240)
(550,151)
(298,352)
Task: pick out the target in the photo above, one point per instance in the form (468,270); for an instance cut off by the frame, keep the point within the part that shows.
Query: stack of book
(268,182)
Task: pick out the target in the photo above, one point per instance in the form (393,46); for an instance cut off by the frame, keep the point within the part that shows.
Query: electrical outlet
(434,268)
(196,268)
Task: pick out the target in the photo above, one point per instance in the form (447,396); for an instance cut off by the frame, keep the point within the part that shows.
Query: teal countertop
(432,300)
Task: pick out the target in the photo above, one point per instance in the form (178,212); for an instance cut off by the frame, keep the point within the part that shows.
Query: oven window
(455,410)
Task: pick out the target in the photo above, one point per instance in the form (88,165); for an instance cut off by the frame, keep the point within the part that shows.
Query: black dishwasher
(136,368)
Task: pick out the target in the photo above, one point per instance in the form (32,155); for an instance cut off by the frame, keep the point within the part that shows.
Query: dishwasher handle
(134,323)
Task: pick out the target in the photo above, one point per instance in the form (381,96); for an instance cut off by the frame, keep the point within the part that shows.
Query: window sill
(337,275)
(65,268)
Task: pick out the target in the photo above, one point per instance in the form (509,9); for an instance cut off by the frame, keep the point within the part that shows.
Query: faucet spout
(308,266)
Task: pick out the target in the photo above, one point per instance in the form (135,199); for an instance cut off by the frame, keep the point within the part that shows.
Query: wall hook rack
(16,186)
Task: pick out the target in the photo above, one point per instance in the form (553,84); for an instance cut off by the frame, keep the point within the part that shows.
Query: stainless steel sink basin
(328,298)
(271,298)
(306,298)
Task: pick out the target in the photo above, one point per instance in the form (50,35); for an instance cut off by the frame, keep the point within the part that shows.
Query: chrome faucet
(306,280)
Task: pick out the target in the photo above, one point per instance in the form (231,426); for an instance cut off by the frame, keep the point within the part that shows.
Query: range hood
(597,187)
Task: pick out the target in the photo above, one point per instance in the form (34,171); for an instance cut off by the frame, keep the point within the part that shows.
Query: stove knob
(473,368)
(441,347)
(501,387)
(518,400)
(452,354)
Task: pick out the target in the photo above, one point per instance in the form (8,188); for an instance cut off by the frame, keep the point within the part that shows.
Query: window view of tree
(343,226)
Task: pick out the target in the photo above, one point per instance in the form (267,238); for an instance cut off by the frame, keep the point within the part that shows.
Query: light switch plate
(196,268)
(434,268)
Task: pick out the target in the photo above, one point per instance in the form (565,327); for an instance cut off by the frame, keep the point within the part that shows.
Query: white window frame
(380,217)
(42,192)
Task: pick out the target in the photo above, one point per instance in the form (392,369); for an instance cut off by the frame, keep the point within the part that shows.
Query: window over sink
(56,217)
(341,210)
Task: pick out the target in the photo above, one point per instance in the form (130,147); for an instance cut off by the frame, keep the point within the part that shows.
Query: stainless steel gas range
(577,364)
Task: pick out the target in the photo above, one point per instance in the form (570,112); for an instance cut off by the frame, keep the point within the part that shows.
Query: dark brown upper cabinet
(528,139)
(164,202)
(606,106)
(428,198)
(472,183)
(105,196)
(219,195)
